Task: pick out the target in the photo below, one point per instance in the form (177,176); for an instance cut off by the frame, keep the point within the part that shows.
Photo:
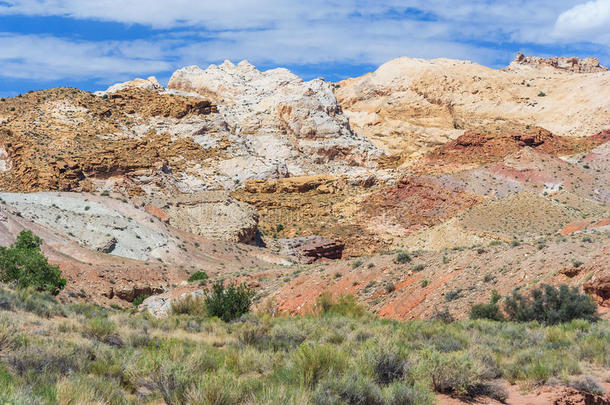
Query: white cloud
(51,58)
(280,32)
(589,22)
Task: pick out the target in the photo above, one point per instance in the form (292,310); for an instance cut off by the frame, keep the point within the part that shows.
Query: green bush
(488,311)
(24,264)
(550,305)
(230,302)
(402,257)
(198,276)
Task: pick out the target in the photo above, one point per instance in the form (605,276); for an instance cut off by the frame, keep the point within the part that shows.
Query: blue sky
(92,44)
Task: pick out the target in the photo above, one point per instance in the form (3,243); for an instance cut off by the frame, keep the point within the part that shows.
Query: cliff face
(287,123)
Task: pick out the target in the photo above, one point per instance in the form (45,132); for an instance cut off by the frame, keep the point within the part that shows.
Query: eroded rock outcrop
(408,106)
(570,64)
(211,214)
(600,288)
(311,248)
(281,115)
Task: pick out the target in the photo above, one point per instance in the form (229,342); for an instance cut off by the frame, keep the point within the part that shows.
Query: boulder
(130,292)
(600,288)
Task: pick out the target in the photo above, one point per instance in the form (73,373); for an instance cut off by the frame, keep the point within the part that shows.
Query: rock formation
(572,64)
(409,106)
(308,249)
(279,115)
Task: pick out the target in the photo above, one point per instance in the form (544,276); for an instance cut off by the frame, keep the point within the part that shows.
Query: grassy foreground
(81,354)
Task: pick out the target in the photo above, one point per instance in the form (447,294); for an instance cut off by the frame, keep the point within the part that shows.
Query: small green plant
(453,294)
(542,94)
(24,264)
(402,257)
(356,264)
(488,311)
(137,301)
(424,283)
(198,276)
(229,303)
(418,267)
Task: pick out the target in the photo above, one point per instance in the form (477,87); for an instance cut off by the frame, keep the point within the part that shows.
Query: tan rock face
(408,106)
(211,214)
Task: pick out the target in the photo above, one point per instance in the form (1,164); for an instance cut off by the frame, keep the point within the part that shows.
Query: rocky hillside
(409,106)
(485,179)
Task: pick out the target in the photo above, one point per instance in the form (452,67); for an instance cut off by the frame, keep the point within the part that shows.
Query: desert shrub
(230,302)
(418,267)
(587,384)
(99,328)
(489,389)
(8,335)
(488,311)
(47,361)
(253,334)
(286,337)
(449,372)
(89,390)
(443,315)
(401,394)
(388,366)
(42,304)
(314,361)
(344,305)
(449,342)
(550,305)
(189,305)
(402,257)
(88,310)
(24,264)
(198,276)
(352,388)
(453,294)
(220,389)
(357,263)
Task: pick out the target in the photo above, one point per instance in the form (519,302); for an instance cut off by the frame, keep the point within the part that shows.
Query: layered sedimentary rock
(409,106)
(211,214)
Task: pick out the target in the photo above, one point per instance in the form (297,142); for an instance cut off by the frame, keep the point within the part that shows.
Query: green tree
(24,264)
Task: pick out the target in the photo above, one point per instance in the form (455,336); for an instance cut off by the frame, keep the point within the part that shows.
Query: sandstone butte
(490,179)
